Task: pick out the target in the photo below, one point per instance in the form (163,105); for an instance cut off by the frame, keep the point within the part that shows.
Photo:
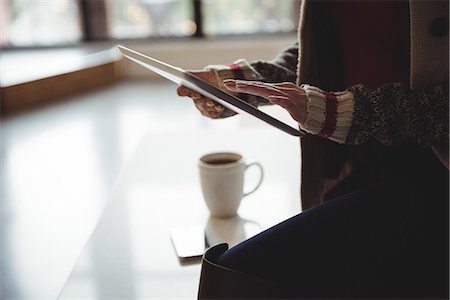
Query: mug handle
(260,177)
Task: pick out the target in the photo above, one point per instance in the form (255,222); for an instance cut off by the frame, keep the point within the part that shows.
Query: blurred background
(64,22)
(72,110)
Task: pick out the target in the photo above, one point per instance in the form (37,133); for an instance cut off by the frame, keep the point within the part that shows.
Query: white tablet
(182,77)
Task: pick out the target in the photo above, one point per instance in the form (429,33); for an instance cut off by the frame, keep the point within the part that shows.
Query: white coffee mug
(222,182)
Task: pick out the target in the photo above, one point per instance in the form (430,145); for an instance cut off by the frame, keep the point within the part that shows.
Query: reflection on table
(130,254)
(231,231)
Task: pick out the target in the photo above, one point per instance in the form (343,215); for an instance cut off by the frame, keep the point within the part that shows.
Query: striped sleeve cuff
(328,114)
(240,69)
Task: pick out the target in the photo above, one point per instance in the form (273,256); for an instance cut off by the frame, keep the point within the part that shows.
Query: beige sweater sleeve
(328,114)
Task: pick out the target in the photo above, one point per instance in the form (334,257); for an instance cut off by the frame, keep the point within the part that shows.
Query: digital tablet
(182,77)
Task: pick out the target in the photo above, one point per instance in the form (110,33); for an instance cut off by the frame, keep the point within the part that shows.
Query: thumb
(183,91)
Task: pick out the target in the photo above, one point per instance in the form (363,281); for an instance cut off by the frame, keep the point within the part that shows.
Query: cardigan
(393,114)
(428,79)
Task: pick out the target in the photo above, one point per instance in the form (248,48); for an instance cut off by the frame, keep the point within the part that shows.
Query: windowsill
(26,65)
(30,78)
(23,66)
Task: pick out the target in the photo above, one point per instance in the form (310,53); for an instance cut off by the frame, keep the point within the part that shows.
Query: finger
(290,88)
(254,88)
(266,88)
(183,91)
(297,112)
(206,102)
(290,85)
(282,101)
(200,106)
(195,96)
(210,103)
(209,106)
(209,111)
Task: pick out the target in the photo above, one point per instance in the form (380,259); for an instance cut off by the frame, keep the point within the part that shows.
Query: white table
(130,255)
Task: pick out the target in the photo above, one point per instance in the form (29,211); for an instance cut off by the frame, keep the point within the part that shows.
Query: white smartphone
(189,242)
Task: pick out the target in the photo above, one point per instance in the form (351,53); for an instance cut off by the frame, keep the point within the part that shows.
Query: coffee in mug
(222,182)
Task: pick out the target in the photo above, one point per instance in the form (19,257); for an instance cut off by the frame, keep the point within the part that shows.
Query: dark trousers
(389,239)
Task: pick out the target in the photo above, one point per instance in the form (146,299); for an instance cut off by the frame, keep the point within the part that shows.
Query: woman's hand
(287,95)
(206,106)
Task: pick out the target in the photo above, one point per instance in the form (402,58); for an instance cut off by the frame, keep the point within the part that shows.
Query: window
(222,17)
(39,22)
(150,18)
(26,23)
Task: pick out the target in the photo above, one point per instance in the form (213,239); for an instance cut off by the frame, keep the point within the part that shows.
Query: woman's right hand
(206,106)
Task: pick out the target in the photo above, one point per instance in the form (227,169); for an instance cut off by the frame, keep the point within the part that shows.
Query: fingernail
(241,85)
(195,96)
(276,98)
(229,82)
(210,103)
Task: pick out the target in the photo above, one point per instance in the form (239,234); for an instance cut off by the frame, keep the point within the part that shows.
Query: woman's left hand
(287,95)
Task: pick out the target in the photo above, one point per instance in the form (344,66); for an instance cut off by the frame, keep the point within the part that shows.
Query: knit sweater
(392,113)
